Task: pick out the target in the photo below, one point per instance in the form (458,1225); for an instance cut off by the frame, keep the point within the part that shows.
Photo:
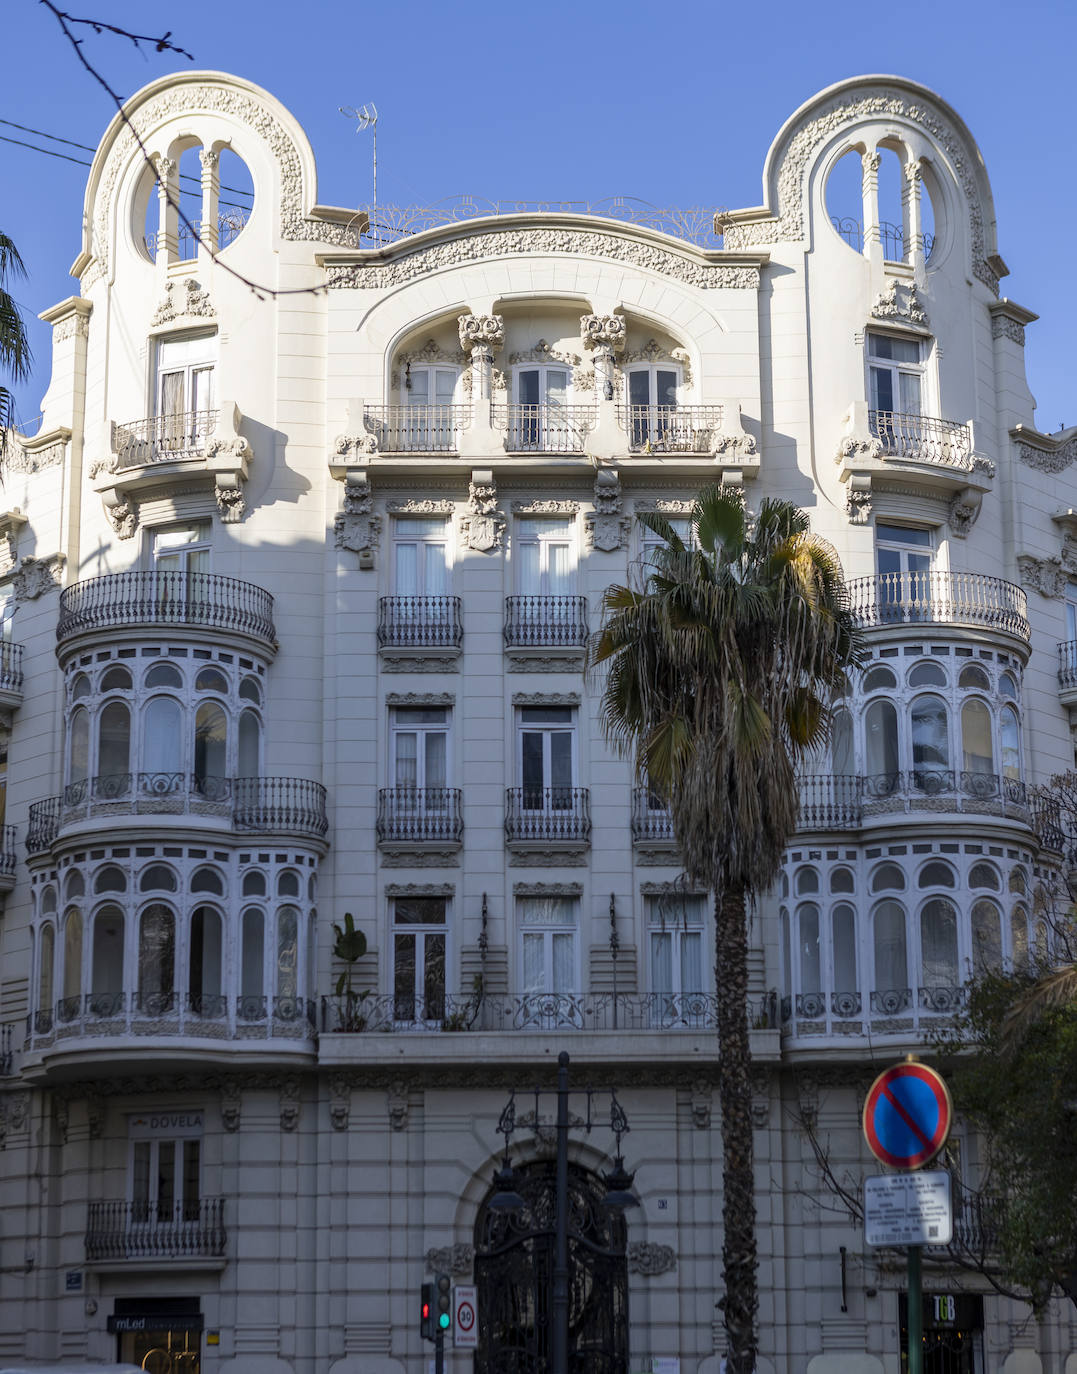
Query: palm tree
(14,345)
(721,665)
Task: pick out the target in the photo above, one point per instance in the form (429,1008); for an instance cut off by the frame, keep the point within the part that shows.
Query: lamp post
(507,1199)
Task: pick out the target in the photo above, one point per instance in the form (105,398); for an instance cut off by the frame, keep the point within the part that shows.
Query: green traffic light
(443,1321)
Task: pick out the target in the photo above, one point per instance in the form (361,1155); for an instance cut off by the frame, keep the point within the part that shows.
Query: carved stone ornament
(648,1259)
(229,496)
(665,506)
(1054,459)
(843,112)
(701,1098)
(450,1259)
(547,889)
(25,460)
(606,529)
(420,699)
(540,507)
(483,528)
(289,1103)
(486,331)
(397,1098)
(858,504)
(413,506)
(652,352)
(543,353)
(356,528)
(340,1102)
(427,356)
(899,302)
(604,331)
(60,1112)
(419,890)
(1005,327)
(983,464)
(181,299)
(963,513)
(73,326)
(545,1129)
(230,1104)
(36,576)
(546,698)
(1047,576)
(122,516)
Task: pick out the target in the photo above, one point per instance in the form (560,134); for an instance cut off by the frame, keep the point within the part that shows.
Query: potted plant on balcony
(349,946)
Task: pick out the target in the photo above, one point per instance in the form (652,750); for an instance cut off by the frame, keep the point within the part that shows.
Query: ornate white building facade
(297,585)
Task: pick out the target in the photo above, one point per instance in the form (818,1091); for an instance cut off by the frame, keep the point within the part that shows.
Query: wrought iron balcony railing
(548,428)
(1067,664)
(829,802)
(892,237)
(671,429)
(940,598)
(120,600)
(214,1016)
(10,666)
(530,1011)
(163,438)
(419,622)
(549,815)
(7,1056)
(546,621)
(294,805)
(882,1011)
(156,1230)
(7,852)
(420,815)
(417,428)
(923,438)
(651,821)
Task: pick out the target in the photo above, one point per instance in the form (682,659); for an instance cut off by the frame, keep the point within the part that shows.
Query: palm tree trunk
(741,1299)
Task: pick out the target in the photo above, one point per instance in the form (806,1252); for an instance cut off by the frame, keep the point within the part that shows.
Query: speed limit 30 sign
(465,1317)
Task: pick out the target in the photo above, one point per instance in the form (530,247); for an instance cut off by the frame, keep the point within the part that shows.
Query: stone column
(167,211)
(208,230)
(873,243)
(912,217)
(479,336)
(604,336)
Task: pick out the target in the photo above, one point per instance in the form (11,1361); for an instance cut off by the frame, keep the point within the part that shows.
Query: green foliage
(14,344)
(349,946)
(1019,1088)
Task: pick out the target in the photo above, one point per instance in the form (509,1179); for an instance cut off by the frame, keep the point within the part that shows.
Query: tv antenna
(366,117)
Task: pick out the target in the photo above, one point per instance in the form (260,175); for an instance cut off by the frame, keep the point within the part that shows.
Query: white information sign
(465,1326)
(908,1209)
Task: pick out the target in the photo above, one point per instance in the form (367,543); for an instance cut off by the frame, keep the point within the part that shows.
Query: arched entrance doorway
(514,1258)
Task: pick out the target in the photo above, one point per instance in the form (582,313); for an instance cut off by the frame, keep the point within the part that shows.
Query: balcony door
(420,747)
(420,549)
(165,1169)
(547,757)
(542,394)
(546,557)
(903,559)
(186,394)
(429,393)
(548,948)
(652,404)
(419,935)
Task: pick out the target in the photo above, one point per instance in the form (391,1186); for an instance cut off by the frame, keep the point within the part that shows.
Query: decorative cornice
(546,698)
(413,506)
(422,260)
(420,699)
(547,889)
(545,507)
(419,889)
(1005,327)
(1047,454)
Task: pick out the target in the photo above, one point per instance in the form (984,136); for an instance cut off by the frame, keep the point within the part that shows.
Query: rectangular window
(185,393)
(546,557)
(164,1179)
(548,962)
(895,373)
(181,548)
(420,746)
(675,926)
(547,757)
(649,541)
(420,556)
(419,935)
(903,560)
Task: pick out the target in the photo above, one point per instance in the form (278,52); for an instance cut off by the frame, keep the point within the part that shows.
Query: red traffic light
(426,1310)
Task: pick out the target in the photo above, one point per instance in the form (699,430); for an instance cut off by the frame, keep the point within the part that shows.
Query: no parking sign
(465,1317)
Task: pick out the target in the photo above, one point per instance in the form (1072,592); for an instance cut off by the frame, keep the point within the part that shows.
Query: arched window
(1018,881)
(1007,686)
(846,981)
(978,754)
(110,879)
(45,975)
(878,679)
(210,742)
(254,884)
(156,960)
(930,744)
(207,880)
(162,736)
(71,1003)
(888,878)
(250,746)
(205,964)
(938,945)
(250,690)
(787,956)
(48,900)
(1010,739)
(927,674)
(288,884)
(287,960)
(891,957)
(986,938)
(157,878)
(842,749)
(881,743)
(74,885)
(1041,945)
(1019,938)
(312,888)
(106,979)
(810,971)
(114,741)
(116,680)
(985,875)
(164,675)
(80,687)
(252,1003)
(974,677)
(211,680)
(842,880)
(78,747)
(936,873)
(807,881)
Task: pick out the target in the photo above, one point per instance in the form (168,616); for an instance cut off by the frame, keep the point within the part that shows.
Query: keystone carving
(899,302)
(289,1104)
(701,1104)
(340,1102)
(230,1104)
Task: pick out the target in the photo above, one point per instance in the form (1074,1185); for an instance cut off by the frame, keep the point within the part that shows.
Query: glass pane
(843,931)
(156,953)
(287,951)
(556,386)
(140,1176)
(106,977)
(192,1150)
(930,747)
(639,387)
(407,774)
(172,393)
(73,956)
(435,760)
(202,389)
(434,976)
(45,970)
(882,388)
(253,974)
(986,938)
(976,738)
(563,962)
(811,978)
(114,740)
(533,973)
(249,745)
(666,388)
(891,966)
(406,569)
(1011,745)
(881,739)
(210,741)
(79,762)
(166,1178)
(691,961)
(417,386)
(559,562)
(938,944)
(532,775)
(529,577)
(162,747)
(842,757)
(909,384)
(787,960)
(434,569)
(528,387)
(444,386)
(661,961)
(561,758)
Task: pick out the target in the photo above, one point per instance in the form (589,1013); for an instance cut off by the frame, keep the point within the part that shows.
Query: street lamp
(507,1198)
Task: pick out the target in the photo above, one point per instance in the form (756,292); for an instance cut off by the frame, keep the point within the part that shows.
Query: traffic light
(426,1312)
(443,1303)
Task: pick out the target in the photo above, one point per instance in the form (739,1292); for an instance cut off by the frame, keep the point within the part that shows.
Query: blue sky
(675,104)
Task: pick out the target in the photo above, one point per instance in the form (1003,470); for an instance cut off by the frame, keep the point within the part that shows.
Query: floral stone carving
(450,1259)
(649,1259)
(36,576)
(899,302)
(485,330)
(182,298)
(604,331)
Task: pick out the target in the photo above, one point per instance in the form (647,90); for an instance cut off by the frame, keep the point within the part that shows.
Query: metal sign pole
(439,1352)
(915,1321)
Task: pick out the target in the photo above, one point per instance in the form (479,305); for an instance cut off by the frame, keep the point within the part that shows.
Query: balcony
(418,429)
(976,600)
(652,827)
(829,802)
(7,858)
(923,439)
(163,439)
(211,1017)
(1067,673)
(902,1012)
(156,1231)
(419,820)
(152,601)
(672,429)
(545,428)
(546,631)
(287,806)
(539,820)
(416,631)
(10,674)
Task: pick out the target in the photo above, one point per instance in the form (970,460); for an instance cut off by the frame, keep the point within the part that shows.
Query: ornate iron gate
(514,1257)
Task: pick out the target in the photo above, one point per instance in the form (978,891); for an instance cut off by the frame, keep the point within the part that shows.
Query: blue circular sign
(907,1115)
